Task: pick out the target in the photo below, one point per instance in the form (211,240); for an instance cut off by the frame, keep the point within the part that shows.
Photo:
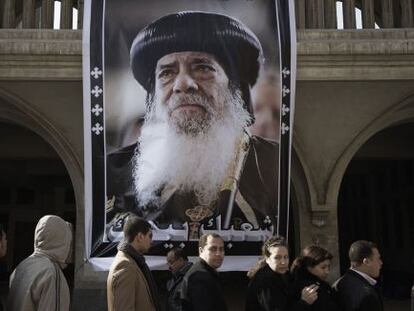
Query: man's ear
(365,261)
(138,237)
(200,249)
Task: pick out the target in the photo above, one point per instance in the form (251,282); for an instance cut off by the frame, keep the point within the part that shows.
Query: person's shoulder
(39,267)
(265,150)
(352,276)
(198,271)
(185,269)
(123,267)
(122,155)
(350,279)
(261,142)
(122,261)
(196,267)
(37,263)
(266,275)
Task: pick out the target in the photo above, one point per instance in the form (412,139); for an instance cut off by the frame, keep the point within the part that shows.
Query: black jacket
(356,294)
(326,300)
(174,289)
(268,291)
(201,289)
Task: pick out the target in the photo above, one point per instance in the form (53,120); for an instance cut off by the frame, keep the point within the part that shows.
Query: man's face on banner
(190,86)
(193,114)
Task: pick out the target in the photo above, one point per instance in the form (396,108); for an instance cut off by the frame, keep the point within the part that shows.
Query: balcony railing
(331,14)
(310,14)
(29,14)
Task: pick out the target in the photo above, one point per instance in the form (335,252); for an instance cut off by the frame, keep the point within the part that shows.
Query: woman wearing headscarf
(313,267)
(268,289)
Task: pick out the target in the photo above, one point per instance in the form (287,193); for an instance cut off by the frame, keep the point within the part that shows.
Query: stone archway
(33,182)
(400,113)
(375,180)
(375,203)
(44,178)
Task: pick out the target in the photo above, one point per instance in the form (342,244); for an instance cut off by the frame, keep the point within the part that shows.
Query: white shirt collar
(370,280)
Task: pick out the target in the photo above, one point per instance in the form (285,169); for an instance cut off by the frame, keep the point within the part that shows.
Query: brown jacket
(127,288)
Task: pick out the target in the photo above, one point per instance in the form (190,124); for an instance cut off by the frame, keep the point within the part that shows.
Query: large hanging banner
(188,109)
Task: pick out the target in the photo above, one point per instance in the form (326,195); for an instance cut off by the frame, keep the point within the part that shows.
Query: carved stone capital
(319,218)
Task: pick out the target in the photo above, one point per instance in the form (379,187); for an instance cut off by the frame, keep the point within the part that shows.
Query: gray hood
(53,238)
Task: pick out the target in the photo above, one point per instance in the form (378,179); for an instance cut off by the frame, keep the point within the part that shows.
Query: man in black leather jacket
(201,289)
(357,289)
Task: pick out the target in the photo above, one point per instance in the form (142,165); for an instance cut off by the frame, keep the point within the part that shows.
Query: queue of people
(38,283)
(274,284)
(272,287)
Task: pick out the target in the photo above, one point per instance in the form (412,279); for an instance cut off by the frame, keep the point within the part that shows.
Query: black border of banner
(285,117)
(99,248)
(98,121)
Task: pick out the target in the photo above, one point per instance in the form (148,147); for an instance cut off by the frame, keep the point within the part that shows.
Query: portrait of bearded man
(195,165)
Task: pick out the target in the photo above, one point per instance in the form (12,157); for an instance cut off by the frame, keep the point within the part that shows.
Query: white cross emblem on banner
(97,129)
(285,91)
(97,110)
(285,128)
(96,72)
(97,91)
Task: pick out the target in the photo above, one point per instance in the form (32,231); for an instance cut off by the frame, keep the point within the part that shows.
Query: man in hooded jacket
(38,282)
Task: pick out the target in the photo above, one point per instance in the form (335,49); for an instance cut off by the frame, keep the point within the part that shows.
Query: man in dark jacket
(178,264)
(201,290)
(356,289)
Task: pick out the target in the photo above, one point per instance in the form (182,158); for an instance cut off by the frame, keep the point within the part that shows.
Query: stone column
(47,14)
(300,14)
(387,14)
(368,15)
(8,14)
(28,20)
(80,14)
(66,14)
(314,14)
(349,14)
(407,14)
(330,14)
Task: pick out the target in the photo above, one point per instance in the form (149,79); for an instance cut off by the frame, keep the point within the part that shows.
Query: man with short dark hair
(130,285)
(178,264)
(356,289)
(201,289)
(195,155)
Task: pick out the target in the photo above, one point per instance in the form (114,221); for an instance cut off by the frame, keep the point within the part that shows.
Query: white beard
(190,160)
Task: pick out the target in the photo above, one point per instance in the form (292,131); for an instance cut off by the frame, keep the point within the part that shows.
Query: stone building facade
(354,122)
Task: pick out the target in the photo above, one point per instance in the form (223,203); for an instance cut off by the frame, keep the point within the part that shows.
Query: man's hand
(310,294)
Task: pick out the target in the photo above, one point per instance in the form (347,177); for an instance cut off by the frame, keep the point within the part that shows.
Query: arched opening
(376,203)
(33,182)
